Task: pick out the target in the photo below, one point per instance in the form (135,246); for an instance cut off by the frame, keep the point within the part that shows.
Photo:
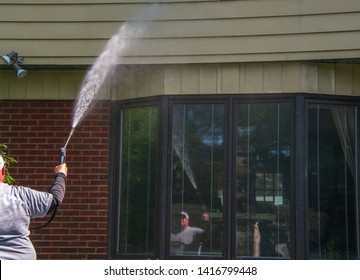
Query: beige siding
(250,78)
(75,32)
(41,85)
(236,78)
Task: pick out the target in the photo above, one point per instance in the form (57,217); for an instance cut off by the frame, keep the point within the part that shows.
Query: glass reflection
(139,142)
(263,167)
(332,180)
(197,180)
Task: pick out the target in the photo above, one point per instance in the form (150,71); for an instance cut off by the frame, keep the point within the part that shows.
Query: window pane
(263,180)
(139,167)
(332,198)
(197,180)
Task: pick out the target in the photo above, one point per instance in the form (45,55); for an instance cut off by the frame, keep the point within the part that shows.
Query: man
(190,239)
(17,205)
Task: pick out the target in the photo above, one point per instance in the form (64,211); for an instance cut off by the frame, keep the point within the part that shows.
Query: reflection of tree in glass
(138,180)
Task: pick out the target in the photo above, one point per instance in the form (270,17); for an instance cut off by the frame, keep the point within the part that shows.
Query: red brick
(34,131)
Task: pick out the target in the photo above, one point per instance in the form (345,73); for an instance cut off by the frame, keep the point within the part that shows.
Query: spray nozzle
(63,149)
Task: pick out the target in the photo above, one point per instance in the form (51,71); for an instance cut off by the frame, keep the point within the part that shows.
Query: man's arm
(58,187)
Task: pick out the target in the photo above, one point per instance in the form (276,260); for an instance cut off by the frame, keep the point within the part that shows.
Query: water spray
(63,149)
(100,71)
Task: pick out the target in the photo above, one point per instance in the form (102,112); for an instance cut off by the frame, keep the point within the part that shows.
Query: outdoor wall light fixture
(15,60)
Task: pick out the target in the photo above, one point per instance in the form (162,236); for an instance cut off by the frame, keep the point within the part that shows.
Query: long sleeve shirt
(17,206)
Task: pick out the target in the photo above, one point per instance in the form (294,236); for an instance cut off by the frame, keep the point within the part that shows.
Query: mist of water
(179,146)
(183,155)
(103,69)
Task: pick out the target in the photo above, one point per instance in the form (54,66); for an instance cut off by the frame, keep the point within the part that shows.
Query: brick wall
(34,132)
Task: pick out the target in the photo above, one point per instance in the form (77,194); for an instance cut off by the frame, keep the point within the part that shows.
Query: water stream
(103,69)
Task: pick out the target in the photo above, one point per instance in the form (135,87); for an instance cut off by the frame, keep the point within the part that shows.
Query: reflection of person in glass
(189,239)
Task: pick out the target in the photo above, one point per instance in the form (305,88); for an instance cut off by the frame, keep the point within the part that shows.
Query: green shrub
(8,160)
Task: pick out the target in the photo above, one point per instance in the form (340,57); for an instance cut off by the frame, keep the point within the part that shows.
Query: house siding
(154,80)
(75,32)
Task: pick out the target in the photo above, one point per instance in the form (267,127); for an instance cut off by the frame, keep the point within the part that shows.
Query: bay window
(235,177)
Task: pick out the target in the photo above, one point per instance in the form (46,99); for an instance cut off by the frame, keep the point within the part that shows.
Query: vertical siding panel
(254,78)
(123,77)
(190,79)
(242,78)
(218,79)
(51,87)
(144,82)
(309,78)
(327,78)
(157,80)
(207,78)
(230,78)
(131,83)
(291,73)
(4,87)
(119,92)
(272,77)
(34,86)
(343,82)
(67,89)
(17,88)
(172,79)
(79,80)
(356,80)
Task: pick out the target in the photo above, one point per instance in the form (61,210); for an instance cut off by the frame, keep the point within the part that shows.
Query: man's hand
(205,217)
(61,168)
